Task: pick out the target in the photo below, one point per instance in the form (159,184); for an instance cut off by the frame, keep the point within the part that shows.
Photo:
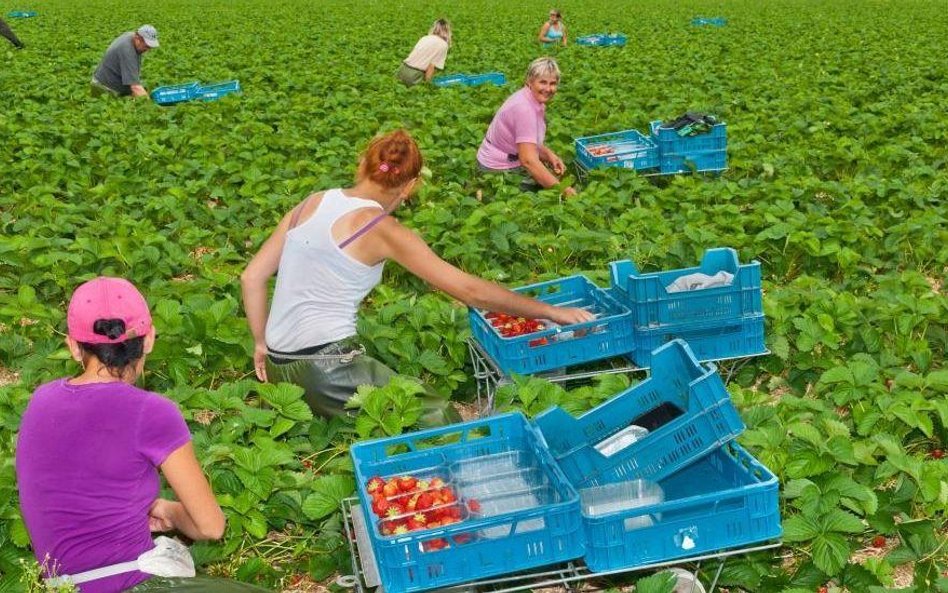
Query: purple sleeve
(161,429)
(525,125)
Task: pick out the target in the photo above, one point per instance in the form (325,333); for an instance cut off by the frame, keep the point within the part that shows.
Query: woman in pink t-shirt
(514,142)
(89,453)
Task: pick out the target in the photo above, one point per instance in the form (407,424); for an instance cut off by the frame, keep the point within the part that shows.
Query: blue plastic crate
(710,340)
(712,21)
(21,14)
(695,154)
(683,404)
(213,92)
(450,80)
(629,149)
(724,500)
(602,40)
(477,547)
(610,334)
(653,306)
(495,78)
(176,93)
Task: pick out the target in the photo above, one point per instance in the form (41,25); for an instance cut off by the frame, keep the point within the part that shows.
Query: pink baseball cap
(107,298)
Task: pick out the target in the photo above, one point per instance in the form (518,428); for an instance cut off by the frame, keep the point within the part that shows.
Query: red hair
(391,160)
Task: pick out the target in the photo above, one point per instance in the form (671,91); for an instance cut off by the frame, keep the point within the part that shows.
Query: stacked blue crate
(603,40)
(718,322)
(705,493)
(495,78)
(704,152)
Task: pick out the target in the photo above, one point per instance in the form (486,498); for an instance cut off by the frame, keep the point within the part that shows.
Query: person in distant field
(328,254)
(119,72)
(91,450)
(553,31)
(428,54)
(7,32)
(514,141)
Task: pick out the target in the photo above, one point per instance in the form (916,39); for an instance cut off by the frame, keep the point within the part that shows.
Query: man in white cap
(119,72)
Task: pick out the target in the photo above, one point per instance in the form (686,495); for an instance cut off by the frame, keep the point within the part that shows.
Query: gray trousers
(331,377)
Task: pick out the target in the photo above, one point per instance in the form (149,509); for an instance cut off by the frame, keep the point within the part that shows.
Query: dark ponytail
(115,357)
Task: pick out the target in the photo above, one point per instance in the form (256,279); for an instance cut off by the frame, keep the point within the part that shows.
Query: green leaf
(663,582)
(799,528)
(841,521)
(327,495)
(255,523)
(830,552)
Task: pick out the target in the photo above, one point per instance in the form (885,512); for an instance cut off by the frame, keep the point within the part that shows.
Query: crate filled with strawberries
(462,502)
(525,346)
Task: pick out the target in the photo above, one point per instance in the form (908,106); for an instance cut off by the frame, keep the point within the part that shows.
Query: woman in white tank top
(330,250)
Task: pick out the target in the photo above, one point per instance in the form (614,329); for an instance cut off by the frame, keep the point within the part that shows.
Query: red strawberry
(436,544)
(447,495)
(938,454)
(393,511)
(425,500)
(878,541)
(407,483)
(437,483)
(416,522)
(474,505)
(390,488)
(375,484)
(381,507)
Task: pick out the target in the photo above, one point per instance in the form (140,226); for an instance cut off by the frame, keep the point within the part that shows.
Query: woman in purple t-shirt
(89,453)
(514,140)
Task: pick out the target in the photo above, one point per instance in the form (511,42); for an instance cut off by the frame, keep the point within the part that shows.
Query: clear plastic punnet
(623,496)
(513,503)
(508,482)
(486,466)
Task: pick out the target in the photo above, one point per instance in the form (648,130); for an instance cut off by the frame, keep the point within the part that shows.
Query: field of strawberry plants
(838,185)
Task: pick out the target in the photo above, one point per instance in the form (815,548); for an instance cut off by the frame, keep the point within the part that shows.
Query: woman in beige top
(429,53)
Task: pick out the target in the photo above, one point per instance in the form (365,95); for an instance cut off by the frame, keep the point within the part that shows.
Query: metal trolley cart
(568,576)
(489,377)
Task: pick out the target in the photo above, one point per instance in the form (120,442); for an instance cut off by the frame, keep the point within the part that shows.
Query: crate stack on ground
(709,21)
(602,40)
(662,152)
(724,319)
(193,91)
(494,78)
(651,475)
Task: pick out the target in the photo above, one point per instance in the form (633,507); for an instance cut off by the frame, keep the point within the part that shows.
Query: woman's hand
(570,315)
(260,361)
(161,515)
(557,164)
